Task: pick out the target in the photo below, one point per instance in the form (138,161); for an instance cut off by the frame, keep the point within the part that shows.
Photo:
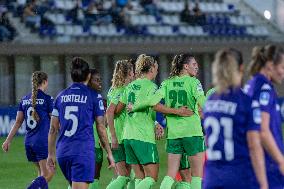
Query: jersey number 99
(179,97)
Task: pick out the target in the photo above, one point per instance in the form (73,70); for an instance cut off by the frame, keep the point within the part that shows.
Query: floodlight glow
(267,14)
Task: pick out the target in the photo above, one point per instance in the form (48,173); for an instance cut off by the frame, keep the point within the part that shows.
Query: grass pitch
(16,172)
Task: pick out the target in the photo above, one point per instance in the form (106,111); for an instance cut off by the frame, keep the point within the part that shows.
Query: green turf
(16,172)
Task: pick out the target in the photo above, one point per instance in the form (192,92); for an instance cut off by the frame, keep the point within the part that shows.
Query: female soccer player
(184,168)
(139,135)
(231,120)
(73,116)
(35,108)
(182,90)
(123,74)
(96,84)
(267,66)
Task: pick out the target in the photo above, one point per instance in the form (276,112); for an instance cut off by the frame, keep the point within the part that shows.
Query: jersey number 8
(71,116)
(213,138)
(31,122)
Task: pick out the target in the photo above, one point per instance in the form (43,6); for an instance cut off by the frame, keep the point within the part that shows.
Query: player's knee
(47,175)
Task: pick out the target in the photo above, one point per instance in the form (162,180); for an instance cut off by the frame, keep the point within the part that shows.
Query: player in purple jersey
(73,115)
(232,126)
(267,66)
(35,109)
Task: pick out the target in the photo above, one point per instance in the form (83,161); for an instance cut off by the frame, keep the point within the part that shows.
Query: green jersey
(139,125)
(113,97)
(181,91)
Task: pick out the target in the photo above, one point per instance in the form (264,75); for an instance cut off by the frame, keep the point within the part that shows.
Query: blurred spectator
(121,3)
(30,16)
(7,31)
(76,14)
(97,13)
(118,15)
(150,7)
(199,17)
(186,14)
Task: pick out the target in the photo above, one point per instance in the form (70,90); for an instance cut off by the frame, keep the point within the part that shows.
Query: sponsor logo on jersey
(264,98)
(265,87)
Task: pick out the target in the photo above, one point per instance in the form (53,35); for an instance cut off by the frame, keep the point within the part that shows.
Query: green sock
(137,181)
(196,183)
(167,182)
(131,184)
(183,185)
(146,183)
(94,185)
(69,187)
(118,183)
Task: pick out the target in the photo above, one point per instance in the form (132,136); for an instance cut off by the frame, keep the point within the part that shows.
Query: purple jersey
(227,119)
(37,131)
(262,90)
(76,108)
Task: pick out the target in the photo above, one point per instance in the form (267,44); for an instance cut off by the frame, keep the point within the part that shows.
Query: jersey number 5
(213,138)
(71,116)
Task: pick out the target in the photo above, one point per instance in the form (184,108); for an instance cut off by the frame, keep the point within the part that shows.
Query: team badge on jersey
(257,116)
(199,87)
(264,98)
(101,105)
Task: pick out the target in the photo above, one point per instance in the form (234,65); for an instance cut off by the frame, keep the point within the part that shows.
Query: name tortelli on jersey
(74,98)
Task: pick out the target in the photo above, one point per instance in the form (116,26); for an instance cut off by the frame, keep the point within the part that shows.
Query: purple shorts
(78,168)
(36,153)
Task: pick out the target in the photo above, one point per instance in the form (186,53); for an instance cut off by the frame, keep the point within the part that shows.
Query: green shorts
(139,152)
(119,153)
(184,163)
(99,155)
(187,145)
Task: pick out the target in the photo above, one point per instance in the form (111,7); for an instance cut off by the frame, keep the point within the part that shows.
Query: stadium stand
(65,20)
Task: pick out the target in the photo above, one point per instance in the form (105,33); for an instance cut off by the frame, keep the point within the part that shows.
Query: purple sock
(38,183)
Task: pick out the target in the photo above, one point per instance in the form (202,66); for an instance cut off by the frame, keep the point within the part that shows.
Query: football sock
(167,182)
(69,187)
(182,185)
(196,183)
(137,181)
(38,183)
(131,184)
(146,183)
(118,183)
(94,185)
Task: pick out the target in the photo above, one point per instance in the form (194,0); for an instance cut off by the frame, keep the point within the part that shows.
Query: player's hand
(111,162)
(114,143)
(6,146)
(51,163)
(129,107)
(184,112)
(159,132)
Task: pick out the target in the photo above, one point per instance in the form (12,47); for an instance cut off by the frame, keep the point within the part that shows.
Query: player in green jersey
(139,136)
(184,133)
(184,169)
(123,74)
(96,84)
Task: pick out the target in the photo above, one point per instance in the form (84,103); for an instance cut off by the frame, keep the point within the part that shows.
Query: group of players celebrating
(240,126)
